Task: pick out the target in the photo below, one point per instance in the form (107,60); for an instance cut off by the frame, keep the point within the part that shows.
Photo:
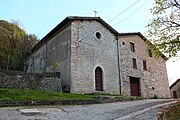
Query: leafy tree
(164,28)
(15,44)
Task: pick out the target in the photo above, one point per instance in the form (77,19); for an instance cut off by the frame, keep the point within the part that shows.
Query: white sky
(173,69)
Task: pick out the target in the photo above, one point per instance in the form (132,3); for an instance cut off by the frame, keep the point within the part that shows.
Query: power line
(132,13)
(116,15)
(123,11)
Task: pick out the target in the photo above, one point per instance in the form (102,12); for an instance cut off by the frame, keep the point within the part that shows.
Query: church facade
(91,56)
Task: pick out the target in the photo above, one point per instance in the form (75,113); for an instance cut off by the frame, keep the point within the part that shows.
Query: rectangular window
(134,63)
(144,65)
(132,47)
(149,53)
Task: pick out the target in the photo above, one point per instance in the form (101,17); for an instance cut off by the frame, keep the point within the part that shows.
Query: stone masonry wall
(23,80)
(176,88)
(88,53)
(154,80)
(54,56)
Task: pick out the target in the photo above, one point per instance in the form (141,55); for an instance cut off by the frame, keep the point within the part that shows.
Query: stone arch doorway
(99,79)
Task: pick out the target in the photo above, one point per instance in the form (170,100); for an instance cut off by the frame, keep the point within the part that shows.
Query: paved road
(138,110)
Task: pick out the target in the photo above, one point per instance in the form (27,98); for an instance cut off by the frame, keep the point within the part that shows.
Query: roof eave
(144,38)
(174,83)
(46,37)
(66,21)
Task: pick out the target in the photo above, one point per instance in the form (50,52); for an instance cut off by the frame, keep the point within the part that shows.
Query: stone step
(30,111)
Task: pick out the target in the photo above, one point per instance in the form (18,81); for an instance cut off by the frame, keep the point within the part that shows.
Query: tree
(164,28)
(15,44)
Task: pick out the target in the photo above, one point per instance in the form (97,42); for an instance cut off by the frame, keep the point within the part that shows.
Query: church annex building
(91,56)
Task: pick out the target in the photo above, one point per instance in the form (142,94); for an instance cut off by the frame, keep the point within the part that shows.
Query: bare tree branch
(166,21)
(175,3)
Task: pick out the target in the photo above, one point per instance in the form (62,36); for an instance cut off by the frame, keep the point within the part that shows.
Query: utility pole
(95,12)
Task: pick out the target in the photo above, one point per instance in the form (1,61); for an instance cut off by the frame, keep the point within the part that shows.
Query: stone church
(91,56)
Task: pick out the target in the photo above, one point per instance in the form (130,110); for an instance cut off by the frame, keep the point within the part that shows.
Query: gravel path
(138,110)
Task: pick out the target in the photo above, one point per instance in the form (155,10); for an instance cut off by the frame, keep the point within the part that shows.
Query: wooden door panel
(98,79)
(134,86)
(174,94)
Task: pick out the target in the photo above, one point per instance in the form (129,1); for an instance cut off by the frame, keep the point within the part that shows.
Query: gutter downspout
(119,70)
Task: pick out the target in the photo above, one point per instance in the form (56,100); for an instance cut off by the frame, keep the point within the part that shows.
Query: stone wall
(23,80)
(175,88)
(154,80)
(76,50)
(88,52)
(54,56)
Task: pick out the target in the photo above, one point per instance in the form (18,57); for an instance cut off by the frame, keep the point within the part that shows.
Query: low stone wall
(23,80)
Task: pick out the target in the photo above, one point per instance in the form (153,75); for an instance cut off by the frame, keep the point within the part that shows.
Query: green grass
(38,95)
(7,94)
(174,113)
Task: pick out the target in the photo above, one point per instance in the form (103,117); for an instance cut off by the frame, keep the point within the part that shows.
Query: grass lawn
(174,113)
(38,95)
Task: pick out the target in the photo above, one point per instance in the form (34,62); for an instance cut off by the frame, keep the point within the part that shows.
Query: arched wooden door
(98,79)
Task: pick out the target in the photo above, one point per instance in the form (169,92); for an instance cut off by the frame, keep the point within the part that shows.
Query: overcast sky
(41,16)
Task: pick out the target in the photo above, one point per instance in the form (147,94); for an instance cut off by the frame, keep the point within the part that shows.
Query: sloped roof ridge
(144,38)
(82,17)
(72,18)
(174,83)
